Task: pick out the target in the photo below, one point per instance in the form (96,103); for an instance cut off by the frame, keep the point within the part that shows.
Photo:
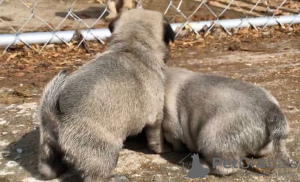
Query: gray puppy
(222,118)
(86,116)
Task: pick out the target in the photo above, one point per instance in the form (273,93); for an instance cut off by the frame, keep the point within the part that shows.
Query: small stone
(4,173)
(10,164)
(175,168)
(2,121)
(266,34)
(292,109)
(3,89)
(10,107)
(3,143)
(4,133)
(19,150)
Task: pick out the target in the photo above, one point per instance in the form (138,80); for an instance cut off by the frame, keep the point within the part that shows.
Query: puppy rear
(277,126)
(222,118)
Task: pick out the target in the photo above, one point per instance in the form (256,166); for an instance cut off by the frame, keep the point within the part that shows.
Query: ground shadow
(138,143)
(89,13)
(28,143)
(28,158)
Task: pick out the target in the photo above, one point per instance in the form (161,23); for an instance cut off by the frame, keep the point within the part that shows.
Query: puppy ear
(112,23)
(169,34)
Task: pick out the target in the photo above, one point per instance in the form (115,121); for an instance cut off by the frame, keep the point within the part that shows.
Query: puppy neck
(144,49)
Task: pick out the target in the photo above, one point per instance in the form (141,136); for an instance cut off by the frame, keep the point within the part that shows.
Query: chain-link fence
(51,21)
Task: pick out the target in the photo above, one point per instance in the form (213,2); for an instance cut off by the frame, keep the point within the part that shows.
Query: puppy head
(144,23)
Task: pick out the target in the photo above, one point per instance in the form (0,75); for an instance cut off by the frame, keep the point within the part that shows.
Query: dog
(221,117)
(86,116)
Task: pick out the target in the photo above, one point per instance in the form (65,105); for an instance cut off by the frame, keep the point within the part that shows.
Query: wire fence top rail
(51,21)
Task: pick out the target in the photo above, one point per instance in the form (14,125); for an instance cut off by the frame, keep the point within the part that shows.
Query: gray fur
(221,118)
(111,97)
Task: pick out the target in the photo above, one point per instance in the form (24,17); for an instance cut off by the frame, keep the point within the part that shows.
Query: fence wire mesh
(23,16)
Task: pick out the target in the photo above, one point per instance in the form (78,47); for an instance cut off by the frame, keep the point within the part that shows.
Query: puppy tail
(49,106)
(51,162)
(278,130)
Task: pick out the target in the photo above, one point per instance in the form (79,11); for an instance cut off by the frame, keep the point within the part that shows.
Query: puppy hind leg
(100,166)
(95,157)
(51,163)
(281,151)
(277,126)
(266,150)
(155,138)
(177,145)
(221,170)
(220,164)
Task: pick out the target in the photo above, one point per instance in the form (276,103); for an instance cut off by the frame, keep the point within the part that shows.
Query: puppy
(86,116)
(222,118)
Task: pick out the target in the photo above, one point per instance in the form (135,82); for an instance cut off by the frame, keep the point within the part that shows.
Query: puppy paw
(119,178)
(46,172)
(110,16)
(158,148)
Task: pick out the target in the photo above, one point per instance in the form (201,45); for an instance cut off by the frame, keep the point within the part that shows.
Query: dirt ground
(269,58)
